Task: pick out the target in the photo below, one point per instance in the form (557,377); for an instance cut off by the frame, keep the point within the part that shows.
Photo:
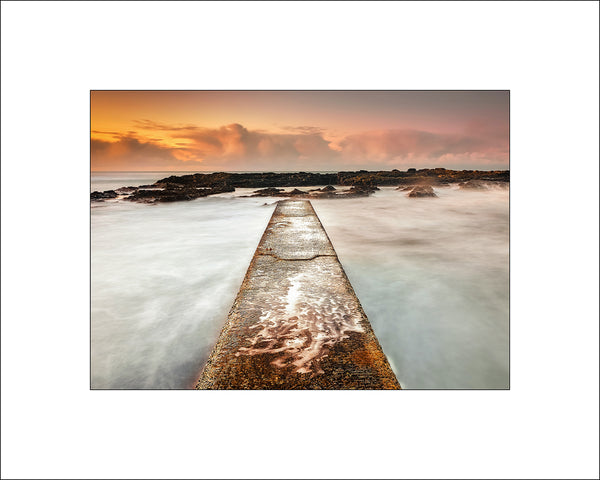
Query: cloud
(421,148)
(102,132)
(146,124)
(130,153)
(305,130)
(235,147)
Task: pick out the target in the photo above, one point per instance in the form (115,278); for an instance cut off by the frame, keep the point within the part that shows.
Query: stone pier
(296,322)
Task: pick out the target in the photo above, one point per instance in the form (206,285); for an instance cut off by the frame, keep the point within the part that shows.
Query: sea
(432,275)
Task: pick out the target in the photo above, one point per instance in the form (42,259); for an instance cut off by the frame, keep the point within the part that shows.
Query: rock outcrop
(176,194)
(483,184)
(421,191)
(103,195)
(358,178)
(267,192)
(473,185)
(359,183)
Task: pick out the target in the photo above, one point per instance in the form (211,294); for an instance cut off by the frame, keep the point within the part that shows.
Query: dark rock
(253,180)
(473,185)
(362,178)
(422,191)
(102,195)
(356,192)
(126,190)
(483,185)
(361,183)
(363,188)
(267,192)
(176,194)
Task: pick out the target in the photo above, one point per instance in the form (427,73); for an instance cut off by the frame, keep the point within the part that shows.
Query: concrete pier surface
(296,322)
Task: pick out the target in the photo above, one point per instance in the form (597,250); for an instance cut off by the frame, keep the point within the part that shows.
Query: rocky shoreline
(418,183)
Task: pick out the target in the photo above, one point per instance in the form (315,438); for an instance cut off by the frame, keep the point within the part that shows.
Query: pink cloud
(420,148)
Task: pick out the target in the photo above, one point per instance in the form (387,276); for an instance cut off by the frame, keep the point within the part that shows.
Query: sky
(298,130)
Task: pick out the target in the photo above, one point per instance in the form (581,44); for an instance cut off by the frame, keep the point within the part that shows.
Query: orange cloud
(129,153)
(234,147)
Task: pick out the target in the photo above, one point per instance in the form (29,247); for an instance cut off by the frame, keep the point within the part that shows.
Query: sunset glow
(298,130)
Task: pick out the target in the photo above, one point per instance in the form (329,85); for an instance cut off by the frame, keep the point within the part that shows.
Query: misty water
(431,274)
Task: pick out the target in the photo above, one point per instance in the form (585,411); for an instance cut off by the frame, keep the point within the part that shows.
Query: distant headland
(357,183)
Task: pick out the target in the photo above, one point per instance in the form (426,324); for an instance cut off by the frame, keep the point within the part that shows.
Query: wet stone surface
(296,322)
